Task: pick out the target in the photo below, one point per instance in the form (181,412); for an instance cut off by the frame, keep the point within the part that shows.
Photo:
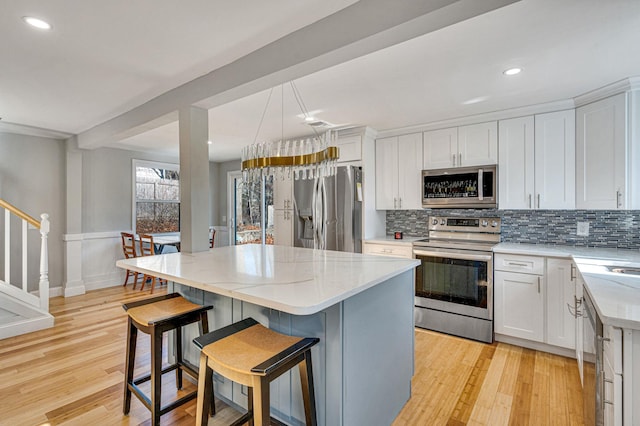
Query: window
(156,197)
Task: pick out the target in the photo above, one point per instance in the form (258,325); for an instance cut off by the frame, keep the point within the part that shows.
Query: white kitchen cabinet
(399,172)
(531,299)
(537,161)
(612,370)
(283,210)
(379,248)
(601,158)
(478,144)
(519,305)
(579,324)
(440,148)
(350,148)
(283,227)
(561,323)
(472,145)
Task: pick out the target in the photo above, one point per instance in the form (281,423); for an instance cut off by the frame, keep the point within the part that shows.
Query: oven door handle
(450,255)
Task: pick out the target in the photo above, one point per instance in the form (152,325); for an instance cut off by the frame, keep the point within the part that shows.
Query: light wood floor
(72,374)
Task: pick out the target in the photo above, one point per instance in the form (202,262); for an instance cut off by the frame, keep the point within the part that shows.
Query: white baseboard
(74,291)
(538,346)
(55,291)
(25,326)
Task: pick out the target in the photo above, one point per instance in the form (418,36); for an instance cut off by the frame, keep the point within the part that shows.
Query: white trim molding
(624,85)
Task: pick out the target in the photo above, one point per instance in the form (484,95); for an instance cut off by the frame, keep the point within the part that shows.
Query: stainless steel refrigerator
(328,211)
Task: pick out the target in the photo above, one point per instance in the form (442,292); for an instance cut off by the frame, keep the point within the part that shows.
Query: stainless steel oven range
(454,282)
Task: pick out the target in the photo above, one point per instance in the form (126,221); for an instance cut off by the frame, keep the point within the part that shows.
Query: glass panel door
(247,210)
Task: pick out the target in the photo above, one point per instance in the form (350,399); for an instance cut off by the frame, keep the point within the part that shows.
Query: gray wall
(32,171)
(219,187)
(107,187)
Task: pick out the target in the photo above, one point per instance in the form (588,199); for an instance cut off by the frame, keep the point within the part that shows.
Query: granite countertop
(289,279)
(616,296)
(388,239)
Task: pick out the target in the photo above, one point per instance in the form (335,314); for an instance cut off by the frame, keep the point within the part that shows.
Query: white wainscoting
(91,261)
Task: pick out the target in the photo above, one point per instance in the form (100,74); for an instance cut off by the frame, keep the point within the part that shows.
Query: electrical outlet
(583,229)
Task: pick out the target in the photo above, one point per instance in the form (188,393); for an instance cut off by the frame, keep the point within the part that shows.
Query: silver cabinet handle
(606,401)
(538,200)
(400,202)
(618,197)
(529,200)
(538,285)
(517,264)
(395,203)
(573,273)
(454,159)
(459,159)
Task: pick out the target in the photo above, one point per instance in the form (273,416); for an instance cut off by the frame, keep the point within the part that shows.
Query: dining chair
(129,250)
(146,247)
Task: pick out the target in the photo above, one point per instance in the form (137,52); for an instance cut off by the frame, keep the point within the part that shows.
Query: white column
(73,282)
(194,179)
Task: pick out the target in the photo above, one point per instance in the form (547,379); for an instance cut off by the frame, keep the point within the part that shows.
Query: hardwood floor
(72,374)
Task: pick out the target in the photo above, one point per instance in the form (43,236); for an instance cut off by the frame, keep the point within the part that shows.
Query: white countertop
(616,296)
(289,279)
(389,239)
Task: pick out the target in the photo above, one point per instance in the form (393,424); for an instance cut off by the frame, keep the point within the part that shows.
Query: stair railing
(22,293)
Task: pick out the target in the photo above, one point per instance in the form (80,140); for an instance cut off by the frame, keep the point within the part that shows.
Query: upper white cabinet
(350,148)
(398,172)
(601,161)
(536,167)
(473,145)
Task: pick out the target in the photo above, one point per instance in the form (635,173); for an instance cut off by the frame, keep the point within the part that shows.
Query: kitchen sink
(624,270)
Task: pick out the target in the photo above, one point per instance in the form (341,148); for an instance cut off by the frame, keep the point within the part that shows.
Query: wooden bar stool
(252,355)
(154,316)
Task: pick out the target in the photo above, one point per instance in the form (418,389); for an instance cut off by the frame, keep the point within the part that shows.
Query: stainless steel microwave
(460,187)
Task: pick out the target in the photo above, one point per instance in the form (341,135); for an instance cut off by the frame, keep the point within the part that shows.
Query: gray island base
(359,306)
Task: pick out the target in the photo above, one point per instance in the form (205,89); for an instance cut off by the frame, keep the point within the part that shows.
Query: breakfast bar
(359,306)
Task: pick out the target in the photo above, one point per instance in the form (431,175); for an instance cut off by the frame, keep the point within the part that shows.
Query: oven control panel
(465,224)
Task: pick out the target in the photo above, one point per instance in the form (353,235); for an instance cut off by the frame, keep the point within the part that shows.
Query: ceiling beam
(359,29)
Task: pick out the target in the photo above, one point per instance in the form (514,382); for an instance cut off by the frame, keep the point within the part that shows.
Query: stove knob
(443,222)
(434,221)
(494,224)
(485,223)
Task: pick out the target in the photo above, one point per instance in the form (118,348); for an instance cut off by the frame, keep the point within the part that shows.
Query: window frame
(153,165)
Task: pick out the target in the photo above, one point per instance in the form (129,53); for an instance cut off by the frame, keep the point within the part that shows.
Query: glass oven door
(457,281)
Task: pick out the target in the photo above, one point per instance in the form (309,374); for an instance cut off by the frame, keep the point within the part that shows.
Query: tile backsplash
(607,228)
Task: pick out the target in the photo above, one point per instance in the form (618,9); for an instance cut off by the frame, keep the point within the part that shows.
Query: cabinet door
(600,154)
(478,144)
(516,163)
(519,305)
(282,192)
(579,330)
(387,173)
(561,324)
(350,148)
(410,171)
(439,148)
(555,160)
(283,227)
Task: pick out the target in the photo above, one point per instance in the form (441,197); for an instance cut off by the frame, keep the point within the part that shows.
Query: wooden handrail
(22,215)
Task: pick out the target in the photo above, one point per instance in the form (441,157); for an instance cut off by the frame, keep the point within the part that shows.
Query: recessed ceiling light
(37,23)
(309,119)
(209,142)
(512,71)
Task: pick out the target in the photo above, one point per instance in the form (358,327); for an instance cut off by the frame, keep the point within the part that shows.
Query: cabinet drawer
(519,263)
(612,347)
(388,250)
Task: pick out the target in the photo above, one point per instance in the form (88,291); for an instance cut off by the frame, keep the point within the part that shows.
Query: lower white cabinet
(382,248)
(519,305)
(561,290)
(283,227)
(532,297)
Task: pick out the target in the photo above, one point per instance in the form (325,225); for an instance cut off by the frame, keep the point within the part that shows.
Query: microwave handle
(480,185)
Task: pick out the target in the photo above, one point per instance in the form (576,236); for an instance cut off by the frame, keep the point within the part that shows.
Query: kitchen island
(360,306)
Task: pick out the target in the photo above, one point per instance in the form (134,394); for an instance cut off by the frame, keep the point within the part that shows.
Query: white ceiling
(84,73)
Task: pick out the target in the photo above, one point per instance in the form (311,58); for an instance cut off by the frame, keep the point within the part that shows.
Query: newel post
(44,263)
